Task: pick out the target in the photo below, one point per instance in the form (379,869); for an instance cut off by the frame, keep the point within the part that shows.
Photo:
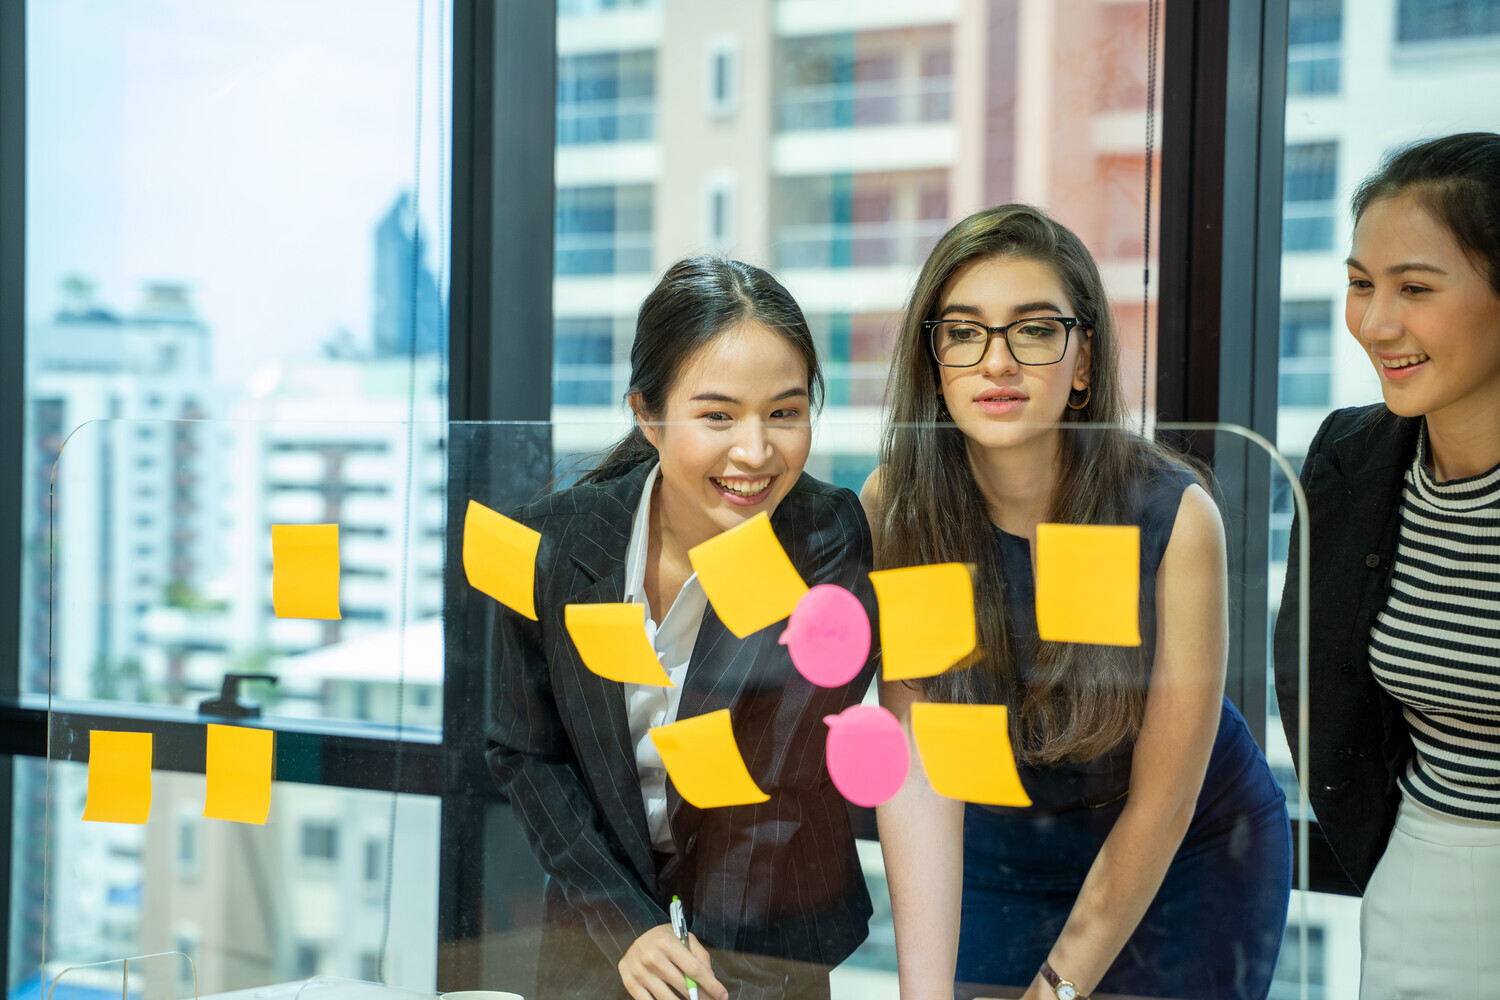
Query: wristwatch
(1061,988)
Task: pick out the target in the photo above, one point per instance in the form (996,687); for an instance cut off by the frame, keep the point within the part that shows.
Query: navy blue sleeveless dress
(1215,927)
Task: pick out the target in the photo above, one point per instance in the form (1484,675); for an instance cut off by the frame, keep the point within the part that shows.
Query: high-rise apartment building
(408,304)
(833,142)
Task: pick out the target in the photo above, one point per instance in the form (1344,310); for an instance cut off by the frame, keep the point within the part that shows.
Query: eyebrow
(1025,307)
(719,397)
(1403,268)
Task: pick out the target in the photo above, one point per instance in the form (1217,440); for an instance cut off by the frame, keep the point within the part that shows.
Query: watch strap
(1055,981)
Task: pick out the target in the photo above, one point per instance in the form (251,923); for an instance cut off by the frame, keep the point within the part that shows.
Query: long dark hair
(1080,701)
(1456,178)
(698,299)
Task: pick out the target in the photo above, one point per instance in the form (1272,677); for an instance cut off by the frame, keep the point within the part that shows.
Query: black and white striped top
(1436,647)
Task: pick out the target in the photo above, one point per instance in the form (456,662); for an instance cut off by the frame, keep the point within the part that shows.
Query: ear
(1083,367)
(647,426)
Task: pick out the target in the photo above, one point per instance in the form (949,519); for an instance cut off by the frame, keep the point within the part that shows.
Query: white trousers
(1429,925)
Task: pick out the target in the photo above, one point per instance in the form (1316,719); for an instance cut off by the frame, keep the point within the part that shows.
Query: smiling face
(1428,320)
(735,432)
(999,402)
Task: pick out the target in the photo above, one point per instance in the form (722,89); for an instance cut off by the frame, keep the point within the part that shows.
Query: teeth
(749,489)
(1410,359)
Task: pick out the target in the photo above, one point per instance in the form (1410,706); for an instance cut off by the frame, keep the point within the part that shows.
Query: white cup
(481,995)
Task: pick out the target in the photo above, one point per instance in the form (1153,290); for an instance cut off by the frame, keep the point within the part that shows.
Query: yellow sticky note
(500,558)
(611,638)
(1088,583)
(704,761)
(966,752)
(747,576)
(239,769)
(305,570)
(926,618)
(119,777)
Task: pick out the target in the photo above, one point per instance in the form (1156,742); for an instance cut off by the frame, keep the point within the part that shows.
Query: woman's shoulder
(612,501)
(1358,433)
(823,503)
(1161,493)
(1160,484)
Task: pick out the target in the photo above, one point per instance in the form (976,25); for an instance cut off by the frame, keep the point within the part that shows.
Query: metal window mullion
(501,356)
(12,396)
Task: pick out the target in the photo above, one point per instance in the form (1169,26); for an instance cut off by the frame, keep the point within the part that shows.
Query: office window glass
(1306,356)
(606,97)
(584,373)
(1433,20)
(603,229)
(861,79)
(1308,210)
(1314,37)
(233,219)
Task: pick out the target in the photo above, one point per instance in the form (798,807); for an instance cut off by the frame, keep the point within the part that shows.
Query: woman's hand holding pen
(657,967)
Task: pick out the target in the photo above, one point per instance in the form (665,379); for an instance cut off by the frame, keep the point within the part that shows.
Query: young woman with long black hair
(724,381)
(1155,859)
(1404,647)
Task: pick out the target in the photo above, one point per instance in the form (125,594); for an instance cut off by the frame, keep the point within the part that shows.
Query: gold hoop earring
(1088,394)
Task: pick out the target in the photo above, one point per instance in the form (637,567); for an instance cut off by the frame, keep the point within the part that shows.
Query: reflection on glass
(200,519)
(303,895)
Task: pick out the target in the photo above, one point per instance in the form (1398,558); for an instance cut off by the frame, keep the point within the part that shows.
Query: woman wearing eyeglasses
(1155,859)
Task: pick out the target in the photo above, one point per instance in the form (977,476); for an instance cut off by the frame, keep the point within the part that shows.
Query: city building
(408,303)
(833,142)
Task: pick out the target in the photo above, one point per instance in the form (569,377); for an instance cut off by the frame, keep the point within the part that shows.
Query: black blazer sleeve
(533,762)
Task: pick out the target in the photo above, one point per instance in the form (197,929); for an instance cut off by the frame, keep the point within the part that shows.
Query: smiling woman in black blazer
(1404,649)
(724,378)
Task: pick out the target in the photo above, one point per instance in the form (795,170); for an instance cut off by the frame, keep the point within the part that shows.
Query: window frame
(1218,340)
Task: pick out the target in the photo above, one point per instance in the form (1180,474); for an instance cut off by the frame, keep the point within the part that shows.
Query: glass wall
(234,214)
(236,219)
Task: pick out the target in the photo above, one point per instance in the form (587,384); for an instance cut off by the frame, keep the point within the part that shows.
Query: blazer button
(1347,666)
(692,839)
(1372,560)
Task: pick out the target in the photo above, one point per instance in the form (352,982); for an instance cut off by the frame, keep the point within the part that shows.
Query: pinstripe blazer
(779,878)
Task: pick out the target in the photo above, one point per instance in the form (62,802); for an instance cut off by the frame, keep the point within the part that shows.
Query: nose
(752,445)
(998,359)
(1381,320)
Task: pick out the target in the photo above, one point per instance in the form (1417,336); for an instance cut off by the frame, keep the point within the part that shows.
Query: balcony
(620,119)
(865,104)
(856,244)
(603,253)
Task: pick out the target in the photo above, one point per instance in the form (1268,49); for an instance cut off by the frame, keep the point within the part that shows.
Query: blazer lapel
(600,722)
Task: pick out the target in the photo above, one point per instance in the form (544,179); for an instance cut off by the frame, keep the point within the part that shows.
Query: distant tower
(396,300)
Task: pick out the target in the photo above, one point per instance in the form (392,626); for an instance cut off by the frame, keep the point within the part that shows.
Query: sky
(246,148)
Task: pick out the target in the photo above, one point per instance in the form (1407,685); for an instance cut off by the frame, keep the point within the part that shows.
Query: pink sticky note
(867,754)
(828,635)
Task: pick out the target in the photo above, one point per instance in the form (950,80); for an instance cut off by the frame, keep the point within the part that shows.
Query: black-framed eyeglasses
(962,343)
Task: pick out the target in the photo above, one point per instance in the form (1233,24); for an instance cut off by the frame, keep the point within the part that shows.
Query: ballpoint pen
(679,927)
